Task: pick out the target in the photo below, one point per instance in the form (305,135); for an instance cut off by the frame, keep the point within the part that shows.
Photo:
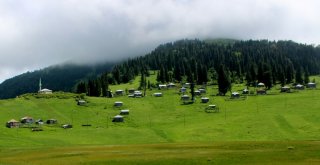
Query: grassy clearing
(301,152)
(271,121)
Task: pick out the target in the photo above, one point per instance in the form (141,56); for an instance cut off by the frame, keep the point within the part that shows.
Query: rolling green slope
(251,130)
(277,116)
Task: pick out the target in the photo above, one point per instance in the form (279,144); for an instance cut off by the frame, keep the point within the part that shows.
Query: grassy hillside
(281,118)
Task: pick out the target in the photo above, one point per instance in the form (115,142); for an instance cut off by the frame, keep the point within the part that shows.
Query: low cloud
(37,33)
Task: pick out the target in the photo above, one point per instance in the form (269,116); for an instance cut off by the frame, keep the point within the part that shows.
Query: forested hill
(57,78)
(249,61)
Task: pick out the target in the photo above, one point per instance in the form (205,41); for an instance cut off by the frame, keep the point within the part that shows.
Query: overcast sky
(38,33)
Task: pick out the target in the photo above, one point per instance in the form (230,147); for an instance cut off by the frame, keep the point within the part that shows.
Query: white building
(45,90)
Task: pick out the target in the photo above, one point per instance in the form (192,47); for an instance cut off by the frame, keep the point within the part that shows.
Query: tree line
(222,63)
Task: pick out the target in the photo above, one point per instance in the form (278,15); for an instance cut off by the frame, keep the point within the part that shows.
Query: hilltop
(62,77)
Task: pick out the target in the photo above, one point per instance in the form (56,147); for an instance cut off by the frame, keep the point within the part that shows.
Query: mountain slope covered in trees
(58,78)
(198,61)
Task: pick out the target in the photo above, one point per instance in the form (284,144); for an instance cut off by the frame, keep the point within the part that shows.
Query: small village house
(81,102)
(212,109)
(186,85)
(260,85)
(299,87)
(311,85)
(157,94)
(26,120)
(245,91)
(183,90)
(119,92)
(235,95)
(118,104)
(162,86)
(204,99)
(12,123)
(261,92)
(118,118)
(39,121)
(137,94)
(185,98)
(124,112)
(171,85)
(202,90)
(285,89)
(52,121)
(197,93)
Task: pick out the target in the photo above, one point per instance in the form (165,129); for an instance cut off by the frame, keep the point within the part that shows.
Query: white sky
(38,33)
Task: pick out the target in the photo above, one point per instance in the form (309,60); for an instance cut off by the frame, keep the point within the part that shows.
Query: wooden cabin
(171,85)
(185,98)
(124,112)
(157,94)
(118,104)
(197,93)
(119,92)
(260,85)
(311,85)
(82,102)
(299,87)
(118,118)
(235,95)
(162,86)
(204,99)
(52,121)
(285,89)
(245,91)
(183,90)
(26,120)
(202,90)
(12,123)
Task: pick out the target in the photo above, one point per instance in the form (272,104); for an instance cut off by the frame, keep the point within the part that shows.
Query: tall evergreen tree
(224,81)
(306,77)
(192,90)
(298,77)
(81,88)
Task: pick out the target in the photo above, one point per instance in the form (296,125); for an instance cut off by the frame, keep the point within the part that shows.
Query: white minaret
(40,84)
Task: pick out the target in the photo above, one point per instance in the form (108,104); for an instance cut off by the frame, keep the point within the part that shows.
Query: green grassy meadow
(276,128)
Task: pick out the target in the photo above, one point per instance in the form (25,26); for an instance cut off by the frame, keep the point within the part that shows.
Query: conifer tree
(298,77)
(224,81)
(306,77)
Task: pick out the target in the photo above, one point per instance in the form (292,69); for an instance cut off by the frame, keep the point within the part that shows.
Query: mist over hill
(248,61)
(57,78)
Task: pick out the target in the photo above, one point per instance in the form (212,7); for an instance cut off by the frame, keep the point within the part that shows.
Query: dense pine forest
(224,61)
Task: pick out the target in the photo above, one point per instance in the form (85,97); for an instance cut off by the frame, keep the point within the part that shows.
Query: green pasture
(273,122)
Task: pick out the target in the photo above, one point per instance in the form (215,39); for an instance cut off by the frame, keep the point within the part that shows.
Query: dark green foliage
(224,81)
(192,90)
(306,77)
(81,88)
(266,61)
(298,77)
(185,60)
(104,85)
(57,78)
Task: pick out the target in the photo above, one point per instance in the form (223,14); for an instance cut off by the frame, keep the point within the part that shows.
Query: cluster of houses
(131,93)
(28,120)
(261,90)
(120,118)
(287,89)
